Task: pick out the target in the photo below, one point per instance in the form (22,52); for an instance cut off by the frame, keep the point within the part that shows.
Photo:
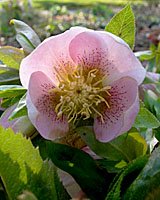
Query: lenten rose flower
(85,74)
(21,124)
(150,86)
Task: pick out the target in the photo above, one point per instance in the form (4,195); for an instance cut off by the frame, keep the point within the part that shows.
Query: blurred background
(52,17)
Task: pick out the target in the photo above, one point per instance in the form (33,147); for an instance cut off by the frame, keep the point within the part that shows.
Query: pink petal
(129,116)
(50,53)
(6,114)
(149,86)
(122,58)
(90,152)
(154,76)
(88,47)
(69,183)
(21,124)
(43,103)
(108,53)
(123,95)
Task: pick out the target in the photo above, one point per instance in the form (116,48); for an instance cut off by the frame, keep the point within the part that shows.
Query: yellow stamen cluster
(80,94)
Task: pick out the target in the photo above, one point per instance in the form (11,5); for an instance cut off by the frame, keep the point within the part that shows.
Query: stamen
(98,114)
(81,70)
(80,96)
(59,75)
(100,81)
(103,100)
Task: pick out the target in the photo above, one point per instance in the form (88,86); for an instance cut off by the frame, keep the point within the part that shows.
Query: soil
(147,19)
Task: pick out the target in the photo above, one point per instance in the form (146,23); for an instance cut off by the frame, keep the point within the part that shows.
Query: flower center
(80,94)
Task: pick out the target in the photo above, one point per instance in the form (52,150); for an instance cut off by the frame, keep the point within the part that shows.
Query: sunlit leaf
(25,36)
(9,76)
(11,56)
(11,91)
(121,148)
(148,180)
(123,25)
(125,178)
(20,110)
(146,119)
(22,169)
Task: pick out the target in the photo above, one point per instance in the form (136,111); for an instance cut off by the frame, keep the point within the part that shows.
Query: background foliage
(28,168)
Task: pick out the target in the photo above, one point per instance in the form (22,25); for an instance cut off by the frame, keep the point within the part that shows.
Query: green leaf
(8,76)
(45,184)
(125,178)
(143,55)
(146,119)
(123,25)
(121,148)
(11,91)
(109,165)
(157,108)
(136,145)
(27,196)
(7,102)
(27,38)
(149,79)
(81,166)
(60,190)
(11,56)
(20,110)
(150,99)
(22,169)
(148,180)
(20,150)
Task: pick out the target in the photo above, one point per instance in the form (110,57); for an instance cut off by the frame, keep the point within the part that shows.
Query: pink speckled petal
(129,117)
(44,102)
(121,56)
(89,48)
(50,53)
(108,53)
(123,95)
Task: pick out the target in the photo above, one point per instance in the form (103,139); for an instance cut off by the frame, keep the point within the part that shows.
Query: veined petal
(108,53)
(52,52)
(129,116)
(123,95)
(123,58)
(89,48)
(44,102)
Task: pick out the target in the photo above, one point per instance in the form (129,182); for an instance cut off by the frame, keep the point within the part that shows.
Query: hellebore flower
(150,86)
(82,74)
(21,124)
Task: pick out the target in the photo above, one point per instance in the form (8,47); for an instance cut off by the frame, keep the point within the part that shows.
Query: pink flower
(21,124)
(149,86)
(82,74)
